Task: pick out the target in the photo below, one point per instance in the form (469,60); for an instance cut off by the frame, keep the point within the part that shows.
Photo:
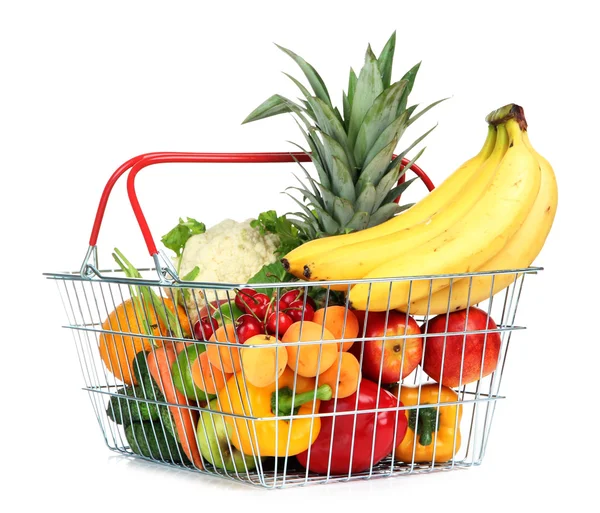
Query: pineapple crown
(352,153)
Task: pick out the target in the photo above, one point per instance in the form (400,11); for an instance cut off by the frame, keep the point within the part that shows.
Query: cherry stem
(241,296)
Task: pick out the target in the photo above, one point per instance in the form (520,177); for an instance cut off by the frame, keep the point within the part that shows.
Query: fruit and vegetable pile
(311,358)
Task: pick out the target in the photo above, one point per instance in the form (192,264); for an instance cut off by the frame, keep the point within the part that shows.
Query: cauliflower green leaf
(289,236)
(176,239)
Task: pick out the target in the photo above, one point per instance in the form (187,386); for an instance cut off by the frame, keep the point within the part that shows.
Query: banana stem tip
(503,114)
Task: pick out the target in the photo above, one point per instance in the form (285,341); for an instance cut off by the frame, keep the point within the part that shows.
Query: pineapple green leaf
(417,141)
(312,198)
(384,186)
(328,224)
(341,180)
(359,222)
(352,153)
(343,211)
(314,79)
(366,199)
(393,193)
(375,169)
(410,77)
(328,121)
(381,114)
(410,110)
(303,227)
(386,58)
(398,161)
(306,210)
(404,207)
(383,213)
(317,155)
(318,158)
(368,87)
(308,109)
(299,110)
(303,89)
(309,178)
(417,116)
(272,106)
(328,198)
(334,149)
(346,107)
(337,113)
(302,215)
(352,80)
(393,132)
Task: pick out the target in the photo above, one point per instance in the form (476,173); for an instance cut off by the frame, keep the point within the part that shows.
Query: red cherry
(259,305)
(285,321)
(299,312)
(248,326)
(204,328)
(290,296)
(244,297)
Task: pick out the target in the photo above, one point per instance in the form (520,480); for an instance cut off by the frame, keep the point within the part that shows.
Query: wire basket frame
(215,420)
(88,304)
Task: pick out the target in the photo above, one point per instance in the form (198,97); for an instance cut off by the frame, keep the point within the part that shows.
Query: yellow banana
(469,243)
(520,251)
(354,261)
(295,260)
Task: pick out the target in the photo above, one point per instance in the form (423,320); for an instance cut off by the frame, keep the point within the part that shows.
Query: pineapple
(352,153)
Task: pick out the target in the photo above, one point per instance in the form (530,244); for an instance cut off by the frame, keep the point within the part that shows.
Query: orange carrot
(160,362)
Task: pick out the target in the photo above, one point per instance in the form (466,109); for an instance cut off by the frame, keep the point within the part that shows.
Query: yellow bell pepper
(441,434)
(260,432)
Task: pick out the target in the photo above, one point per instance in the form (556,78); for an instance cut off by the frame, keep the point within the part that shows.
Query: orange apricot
(340,321)
(310,360)
(346,383)
(225,357)
(206,376)
(263,365)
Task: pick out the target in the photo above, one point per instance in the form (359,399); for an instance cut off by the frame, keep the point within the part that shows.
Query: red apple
(400,355)
(472,344)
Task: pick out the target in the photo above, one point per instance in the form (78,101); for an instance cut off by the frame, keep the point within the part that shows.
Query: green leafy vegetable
(176,238)
(192,275)
(289,236)
(271,273)
(145,294)
(322,297)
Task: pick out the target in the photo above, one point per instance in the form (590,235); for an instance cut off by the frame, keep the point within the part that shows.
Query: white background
(85,86)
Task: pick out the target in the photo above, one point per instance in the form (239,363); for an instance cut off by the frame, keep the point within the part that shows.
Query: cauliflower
(230,252)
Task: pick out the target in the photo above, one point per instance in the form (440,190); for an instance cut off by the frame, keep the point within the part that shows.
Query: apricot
(263,365)
(310,360)
(224,357)
(340,321)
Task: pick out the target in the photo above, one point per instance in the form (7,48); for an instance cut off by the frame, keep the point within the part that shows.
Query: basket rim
(101,276)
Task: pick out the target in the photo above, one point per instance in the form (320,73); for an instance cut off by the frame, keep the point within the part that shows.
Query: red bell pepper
(352,440)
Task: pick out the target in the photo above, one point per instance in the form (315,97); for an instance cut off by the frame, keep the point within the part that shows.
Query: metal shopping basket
(141,412)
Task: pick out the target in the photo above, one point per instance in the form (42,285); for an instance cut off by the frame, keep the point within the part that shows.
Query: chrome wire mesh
(89,302)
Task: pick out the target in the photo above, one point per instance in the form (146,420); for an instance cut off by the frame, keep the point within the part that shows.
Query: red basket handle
(138,163)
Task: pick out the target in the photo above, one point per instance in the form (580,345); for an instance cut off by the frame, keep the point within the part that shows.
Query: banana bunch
(493,213)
